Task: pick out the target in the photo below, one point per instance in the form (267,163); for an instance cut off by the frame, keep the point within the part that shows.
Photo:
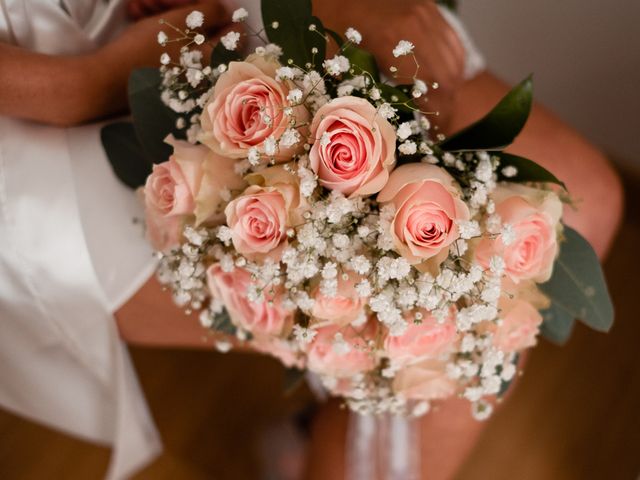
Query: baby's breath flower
(294,96)
(270,145)
(230,40)
(496,265)
(509,171)
(336,65)
(404,130)
(386,111)
(325,139)
(481,410)
(419,88)
(364,289)
(507,234)
(468,229)
(195,19)
(303,335)
(408,147)
(254,156)
(353,35)
(239,15)
(286,73)
(290,137)
(404,47)
(162,38)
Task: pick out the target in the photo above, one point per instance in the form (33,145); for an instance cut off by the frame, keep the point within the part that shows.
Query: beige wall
(585,55)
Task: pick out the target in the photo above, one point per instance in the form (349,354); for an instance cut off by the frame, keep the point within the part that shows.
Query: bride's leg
(449,434)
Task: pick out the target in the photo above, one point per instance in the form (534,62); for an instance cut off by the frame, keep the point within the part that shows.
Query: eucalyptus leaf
(222,323)
(293,379)
(152,119)
(558,324)
(396,97)
(126,156)
(362,62)
(335,35)
(577,289)
(527,170)
(499,127)
(287,24)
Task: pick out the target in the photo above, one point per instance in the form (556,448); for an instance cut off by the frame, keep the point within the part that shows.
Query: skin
(70,90)
(66,91)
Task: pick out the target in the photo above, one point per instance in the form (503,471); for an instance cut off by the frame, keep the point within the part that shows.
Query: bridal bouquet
(304,205)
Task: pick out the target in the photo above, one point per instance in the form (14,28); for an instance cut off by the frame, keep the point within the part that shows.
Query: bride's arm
(68,90)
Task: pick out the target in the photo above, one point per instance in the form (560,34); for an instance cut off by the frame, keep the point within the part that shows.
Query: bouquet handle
(382,447)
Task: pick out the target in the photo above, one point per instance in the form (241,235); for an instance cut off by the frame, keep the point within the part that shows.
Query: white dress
(71,255)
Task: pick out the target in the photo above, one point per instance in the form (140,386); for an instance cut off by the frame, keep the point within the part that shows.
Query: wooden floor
(575,414)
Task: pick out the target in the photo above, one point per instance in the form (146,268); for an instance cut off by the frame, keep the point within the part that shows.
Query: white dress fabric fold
(70,255)
(71,252)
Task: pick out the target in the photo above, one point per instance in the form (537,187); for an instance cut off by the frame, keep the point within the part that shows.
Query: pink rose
(247,107)
(426,380)
(171,187)
(169,195)
(341,352)
(534,217)
(520,325)
(218,175)
(354,147)
(427,206)
(427,339)
(266,316)
(342,309)
(260,217)
(163,232)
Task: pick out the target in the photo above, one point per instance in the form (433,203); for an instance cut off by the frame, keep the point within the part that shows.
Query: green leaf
(362,61)
(152,119)
(293,379)
(557,325)
(528,170)
(221,55)
(577,289)
(396,97)
(222,323)
(336,36)
(498,128)
(126,155)
(287,25)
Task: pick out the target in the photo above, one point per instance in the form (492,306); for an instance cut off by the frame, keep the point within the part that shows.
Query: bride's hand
(383,23)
